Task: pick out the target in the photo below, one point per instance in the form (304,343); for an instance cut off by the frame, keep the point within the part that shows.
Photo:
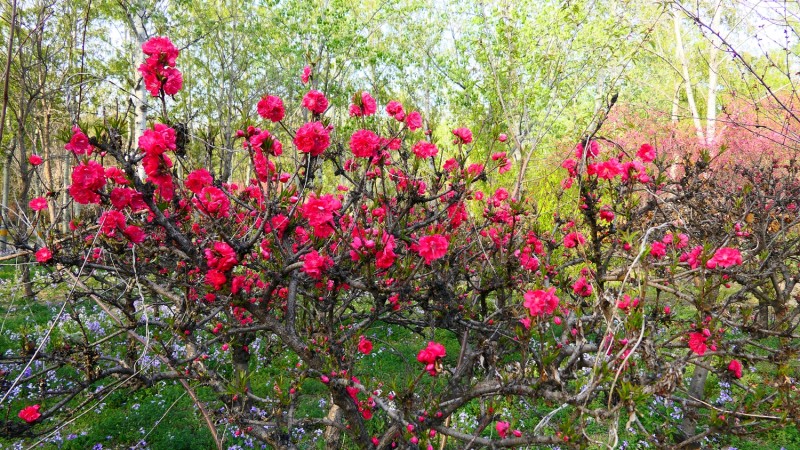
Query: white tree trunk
(713,68)
(681,55)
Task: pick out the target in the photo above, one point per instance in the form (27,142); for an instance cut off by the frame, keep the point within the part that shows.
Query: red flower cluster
(724,258)
(87,179)
(158,70)
(541,302)
(424,149)
(271,108)
(463,136)
(318,211)
(315,102)
(365,143)
(155,143)
(432,247)
(363,105)
(30,414)
(431,356)
(78,144)
(312,138)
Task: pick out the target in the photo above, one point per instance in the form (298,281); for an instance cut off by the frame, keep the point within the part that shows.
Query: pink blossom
(574,239)
(582,287)
(502,429)
(463,135)
(314,264)
(736,367)
(541,302)
(363,105)
(79,143)
(725,257)
(197,180)
(306,74)
(658,250)
(271,108)
(315,102)
(43,255)
(312,138)
(30,414)
(646,153)
(432,247)
(38,204)
(35,160)
(697,342)
(414,121)
(364,345)
(430,356)
(364,143)
(424,149)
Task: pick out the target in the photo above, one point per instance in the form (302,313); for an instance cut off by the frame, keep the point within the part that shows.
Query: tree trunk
(687,81)
(333,435)
(713,67)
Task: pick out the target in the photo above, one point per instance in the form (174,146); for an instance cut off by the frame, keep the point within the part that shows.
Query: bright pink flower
(213,201)
(172,81)
(736,367)
(111,221)
(725,257)
(216,279)
(163,49)
(692,257)
(364,345)
(573,239)
(157,140)
(697,342)
(364,143)
(134,234)
(385,257)
(430,356)
(312,138)
(424,149)
(35,160)
(463,135)
(582,287)
(502,429)
(646,153)
(363,105)
(606,214)
(221,257)
(432,247)
(314,264)
(609,169)
(87,179)
(38,204)
(318,211)
(43,255)
(502,137)
(594,150)
(414,121)
(30,414)
(79,143)
(197,180)
(306,74)
(315,102)
(658,250)
(395,109)
(157,77)
(271,108)
(450,165)
(541,302)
